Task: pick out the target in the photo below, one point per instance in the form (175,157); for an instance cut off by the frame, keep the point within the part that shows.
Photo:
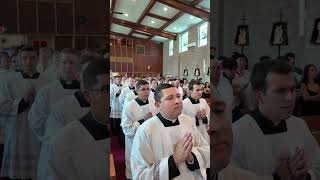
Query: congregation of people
(53,114)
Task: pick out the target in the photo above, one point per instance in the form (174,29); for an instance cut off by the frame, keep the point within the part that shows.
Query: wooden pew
(313,123)
(112,168)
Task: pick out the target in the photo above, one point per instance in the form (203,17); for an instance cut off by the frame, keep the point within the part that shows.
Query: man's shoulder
(68,136)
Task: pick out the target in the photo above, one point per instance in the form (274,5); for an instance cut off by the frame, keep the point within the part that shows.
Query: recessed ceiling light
(126,14)
(191,17)
(175,28)
(165,9)
(152,22)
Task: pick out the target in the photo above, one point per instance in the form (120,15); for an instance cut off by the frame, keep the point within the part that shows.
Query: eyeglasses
(103,90)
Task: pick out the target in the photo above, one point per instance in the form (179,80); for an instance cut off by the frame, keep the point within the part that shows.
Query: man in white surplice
(66,84)
(169,145)
(115,114)
(221,141)
(197,108)
(126,90)
(71,107)
(137,111)
(17,92)
(271,136)
(80,150)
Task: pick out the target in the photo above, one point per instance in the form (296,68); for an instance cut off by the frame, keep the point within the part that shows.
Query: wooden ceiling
(160,21)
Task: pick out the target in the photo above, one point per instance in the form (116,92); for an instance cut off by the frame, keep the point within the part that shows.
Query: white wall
(194,56)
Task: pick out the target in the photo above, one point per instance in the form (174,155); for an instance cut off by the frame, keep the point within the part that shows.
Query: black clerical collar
(73,85)
(267,126)
(119,85)
(141,103)
(82,101)
(131,88)
(193,101)
(135,92)
(96,129)
(27,76)
(167,122)
(153,90)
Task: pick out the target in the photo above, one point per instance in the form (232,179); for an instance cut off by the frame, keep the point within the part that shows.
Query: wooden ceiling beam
(138,32)
(123,36)
(142,28)
(187,9)
(113,4)
(158,17)
(146,10)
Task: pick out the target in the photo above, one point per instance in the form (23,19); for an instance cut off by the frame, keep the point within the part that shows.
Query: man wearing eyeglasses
(137,111)
(81,149)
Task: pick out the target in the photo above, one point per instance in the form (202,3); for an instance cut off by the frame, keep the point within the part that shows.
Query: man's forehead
(280,80)
(170,91)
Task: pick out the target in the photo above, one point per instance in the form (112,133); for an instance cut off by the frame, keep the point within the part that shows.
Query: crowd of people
(53,114)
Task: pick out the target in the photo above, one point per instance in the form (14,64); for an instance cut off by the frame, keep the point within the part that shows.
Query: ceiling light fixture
(126,14)
(175,28)
(165,9)
(191,17)
(152,22)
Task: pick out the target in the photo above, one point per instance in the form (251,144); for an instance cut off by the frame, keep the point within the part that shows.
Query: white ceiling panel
(159,39)
(120,29)
(133,9)
(158,9)
(205,5)
(183,23)
(140,35)
(152,22)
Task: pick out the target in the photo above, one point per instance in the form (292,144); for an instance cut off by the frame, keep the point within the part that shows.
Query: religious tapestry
(242,36)
(279,35)
(315,39)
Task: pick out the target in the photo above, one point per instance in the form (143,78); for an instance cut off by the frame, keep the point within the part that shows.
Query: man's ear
(87,96)
(259,96)
(157,104)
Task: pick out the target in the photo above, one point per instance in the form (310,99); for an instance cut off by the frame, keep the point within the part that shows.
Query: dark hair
(158,92)
(261,70)
(141,83)
(92,69)
(229,63)
(290,55)
(305,75)
(27,49)
(196,82)
(264,58)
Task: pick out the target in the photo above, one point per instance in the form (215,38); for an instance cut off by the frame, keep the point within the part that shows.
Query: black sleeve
(205,120)
(308,176)
(173,169)
(195,164)
(197,122)
(276,176)
(141,121)
(23,105)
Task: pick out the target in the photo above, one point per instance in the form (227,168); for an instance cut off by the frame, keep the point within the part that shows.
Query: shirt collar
(73,85)
(131,88)
(135,92)
(27,76)
(193,101)
(266,125)
(141,103)
(167,122)
(97,130)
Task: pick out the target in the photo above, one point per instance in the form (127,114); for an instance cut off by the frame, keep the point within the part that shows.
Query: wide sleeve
(9,105)
(128,123)
(201,150)
(312,152)
(60,166)
(144,166)
(54,122)
(39,113)
(122,97)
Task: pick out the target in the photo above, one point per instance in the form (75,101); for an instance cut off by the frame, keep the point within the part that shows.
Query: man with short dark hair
(136,112)
(197,108)
(169,145)
(81,149)
(269,140)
